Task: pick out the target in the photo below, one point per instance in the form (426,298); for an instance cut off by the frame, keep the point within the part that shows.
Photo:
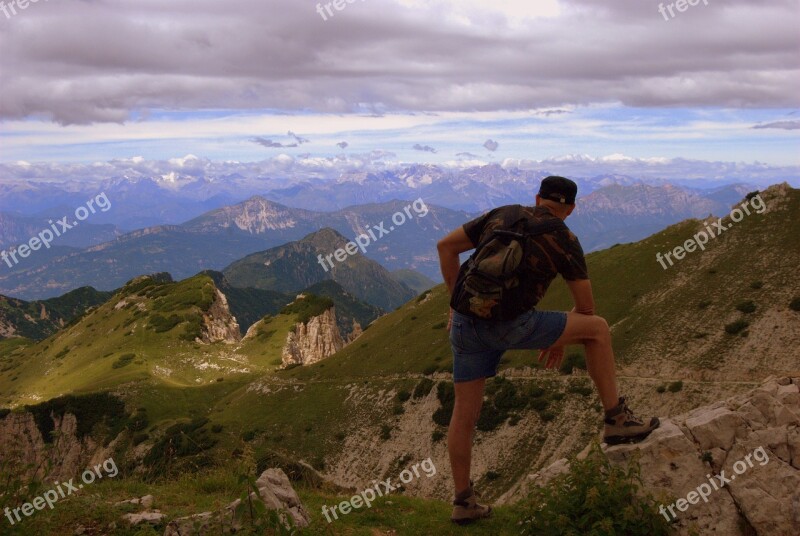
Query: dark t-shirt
(557,252)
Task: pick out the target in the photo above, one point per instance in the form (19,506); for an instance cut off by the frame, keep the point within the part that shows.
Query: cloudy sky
(443,81)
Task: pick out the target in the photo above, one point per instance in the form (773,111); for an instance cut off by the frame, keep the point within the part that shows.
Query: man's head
(557,194)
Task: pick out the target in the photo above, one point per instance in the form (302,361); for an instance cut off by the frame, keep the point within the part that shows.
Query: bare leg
(592,332)
(469,398)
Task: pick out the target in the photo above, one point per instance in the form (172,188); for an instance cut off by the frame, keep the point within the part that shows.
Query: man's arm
(449,248)
(581,290)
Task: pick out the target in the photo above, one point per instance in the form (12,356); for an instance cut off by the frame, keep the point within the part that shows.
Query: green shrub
(539,404)
(423,296)
(139,438)
(794,305)
(506,397)
(250,435)
(491,418)
(572,360)
(430,369)
(735,327)
(746,306)
(403,395)
(674,387)
(423,388)
(583,390)
(184,295)
(595,497)
(4,412)
(138,421)
(547,416)
(194,327)
(296,471)
(386,432)
(217,428)
(661,388)
(308,307)
(437,436)
(182,440)
(123,361)
(707,457)
(447,397)
(89,410)
(492,475)
(703,304)
(755,285)
(398,409)
(536,391)
(162,324)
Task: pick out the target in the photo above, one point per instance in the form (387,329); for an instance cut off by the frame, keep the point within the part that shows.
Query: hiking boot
(466,508)
(622,426)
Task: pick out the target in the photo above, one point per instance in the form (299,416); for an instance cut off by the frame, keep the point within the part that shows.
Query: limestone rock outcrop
(313,341)
(743,453)
(63,458)
(218,322)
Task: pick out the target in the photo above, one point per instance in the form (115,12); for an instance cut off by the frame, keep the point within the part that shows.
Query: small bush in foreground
(735,327)
(595,497)
(674,387)
(746,306)
(794,305)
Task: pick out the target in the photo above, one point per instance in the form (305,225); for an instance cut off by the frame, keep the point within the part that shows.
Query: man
(479,343)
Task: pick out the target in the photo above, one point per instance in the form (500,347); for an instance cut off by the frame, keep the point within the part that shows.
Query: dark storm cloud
(81,62)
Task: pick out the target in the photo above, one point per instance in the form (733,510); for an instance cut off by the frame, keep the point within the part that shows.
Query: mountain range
(613,213)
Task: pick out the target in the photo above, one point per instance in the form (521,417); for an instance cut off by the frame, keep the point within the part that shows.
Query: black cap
(558,189)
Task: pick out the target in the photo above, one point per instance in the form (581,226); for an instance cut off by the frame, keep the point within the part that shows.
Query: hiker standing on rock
(519,250)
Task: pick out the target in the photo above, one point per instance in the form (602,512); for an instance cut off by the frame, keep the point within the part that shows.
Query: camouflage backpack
(490,283)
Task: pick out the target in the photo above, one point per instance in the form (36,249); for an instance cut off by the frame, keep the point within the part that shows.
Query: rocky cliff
(24,447)
(218,322)
(313,341)
(729,468)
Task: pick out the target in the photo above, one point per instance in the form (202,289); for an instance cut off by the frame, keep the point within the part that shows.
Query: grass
(214,488)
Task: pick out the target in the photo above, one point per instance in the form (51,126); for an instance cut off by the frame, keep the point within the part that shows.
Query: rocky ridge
(730,468)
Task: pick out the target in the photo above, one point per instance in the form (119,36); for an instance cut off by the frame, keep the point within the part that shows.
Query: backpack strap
(533,230)
(530,231)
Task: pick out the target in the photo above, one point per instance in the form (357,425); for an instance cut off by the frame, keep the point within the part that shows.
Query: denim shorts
(479,344)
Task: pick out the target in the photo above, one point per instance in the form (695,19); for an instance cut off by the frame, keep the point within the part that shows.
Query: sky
(451,82)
